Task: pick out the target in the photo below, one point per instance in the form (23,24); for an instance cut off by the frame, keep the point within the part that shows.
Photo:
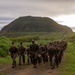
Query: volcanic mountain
(34,24)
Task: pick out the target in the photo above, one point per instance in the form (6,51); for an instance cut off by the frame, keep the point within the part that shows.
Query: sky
(62,11)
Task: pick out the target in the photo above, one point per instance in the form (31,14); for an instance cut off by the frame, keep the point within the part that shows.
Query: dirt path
(29,70)
(43,70)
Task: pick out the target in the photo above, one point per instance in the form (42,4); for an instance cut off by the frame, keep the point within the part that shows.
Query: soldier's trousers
(29,59)
(39,59)
(21,59)
(52,62)
(44,58)
(56,60)
(13,60)
(34,59)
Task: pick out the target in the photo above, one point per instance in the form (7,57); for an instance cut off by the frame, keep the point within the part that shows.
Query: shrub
(4,46)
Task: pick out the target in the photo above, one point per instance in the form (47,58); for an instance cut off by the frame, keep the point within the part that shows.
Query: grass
(5,60)
(68,65)
(8,60)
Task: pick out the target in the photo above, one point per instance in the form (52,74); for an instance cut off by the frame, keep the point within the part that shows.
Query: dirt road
(28,70)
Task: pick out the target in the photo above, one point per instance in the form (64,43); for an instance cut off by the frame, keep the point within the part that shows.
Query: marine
(13,52)
(34,53)
(21,52)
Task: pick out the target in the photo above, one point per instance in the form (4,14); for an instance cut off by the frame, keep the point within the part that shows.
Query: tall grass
(68,65)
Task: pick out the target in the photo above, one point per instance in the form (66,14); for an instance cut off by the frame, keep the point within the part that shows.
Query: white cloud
(48,8)
(36,7)
(68,20)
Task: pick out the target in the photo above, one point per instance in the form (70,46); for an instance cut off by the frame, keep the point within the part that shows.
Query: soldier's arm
(9,51)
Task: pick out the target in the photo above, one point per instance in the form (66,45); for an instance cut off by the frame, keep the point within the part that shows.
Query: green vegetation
(37,36)
(4,46)
(34,24)
(5,60)
(42,37)
(68,65)
(70,37)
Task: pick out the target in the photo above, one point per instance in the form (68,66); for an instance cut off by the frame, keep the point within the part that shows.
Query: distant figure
(13,52)
(21,51)
(34,52)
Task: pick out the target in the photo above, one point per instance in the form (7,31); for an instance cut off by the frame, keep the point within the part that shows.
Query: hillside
(34,24)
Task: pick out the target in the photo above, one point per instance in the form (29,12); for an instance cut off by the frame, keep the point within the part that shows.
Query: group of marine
(38,54)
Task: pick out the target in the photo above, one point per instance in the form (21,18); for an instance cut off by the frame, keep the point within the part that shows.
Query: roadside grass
(68,65)
(5,60)
(8,60)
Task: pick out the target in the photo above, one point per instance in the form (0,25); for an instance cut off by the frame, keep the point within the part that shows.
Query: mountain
(34,24)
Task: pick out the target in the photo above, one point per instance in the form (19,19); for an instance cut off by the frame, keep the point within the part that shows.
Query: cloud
(13,9)
(68,20)
(5,18)
(4,21)
(17,8)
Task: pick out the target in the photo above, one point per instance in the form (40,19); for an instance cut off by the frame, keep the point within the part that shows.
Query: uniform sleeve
(9,50)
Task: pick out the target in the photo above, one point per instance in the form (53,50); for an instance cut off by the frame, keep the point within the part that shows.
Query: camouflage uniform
(21,51)
(29,59)
(13,51)
(45,54)
(51,52)
(34,50)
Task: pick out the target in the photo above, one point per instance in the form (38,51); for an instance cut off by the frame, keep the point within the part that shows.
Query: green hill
(34,24)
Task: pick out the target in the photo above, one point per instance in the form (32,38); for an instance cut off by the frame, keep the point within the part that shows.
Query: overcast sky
(63,11)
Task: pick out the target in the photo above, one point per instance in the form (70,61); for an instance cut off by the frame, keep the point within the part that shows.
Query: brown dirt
(27,70)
